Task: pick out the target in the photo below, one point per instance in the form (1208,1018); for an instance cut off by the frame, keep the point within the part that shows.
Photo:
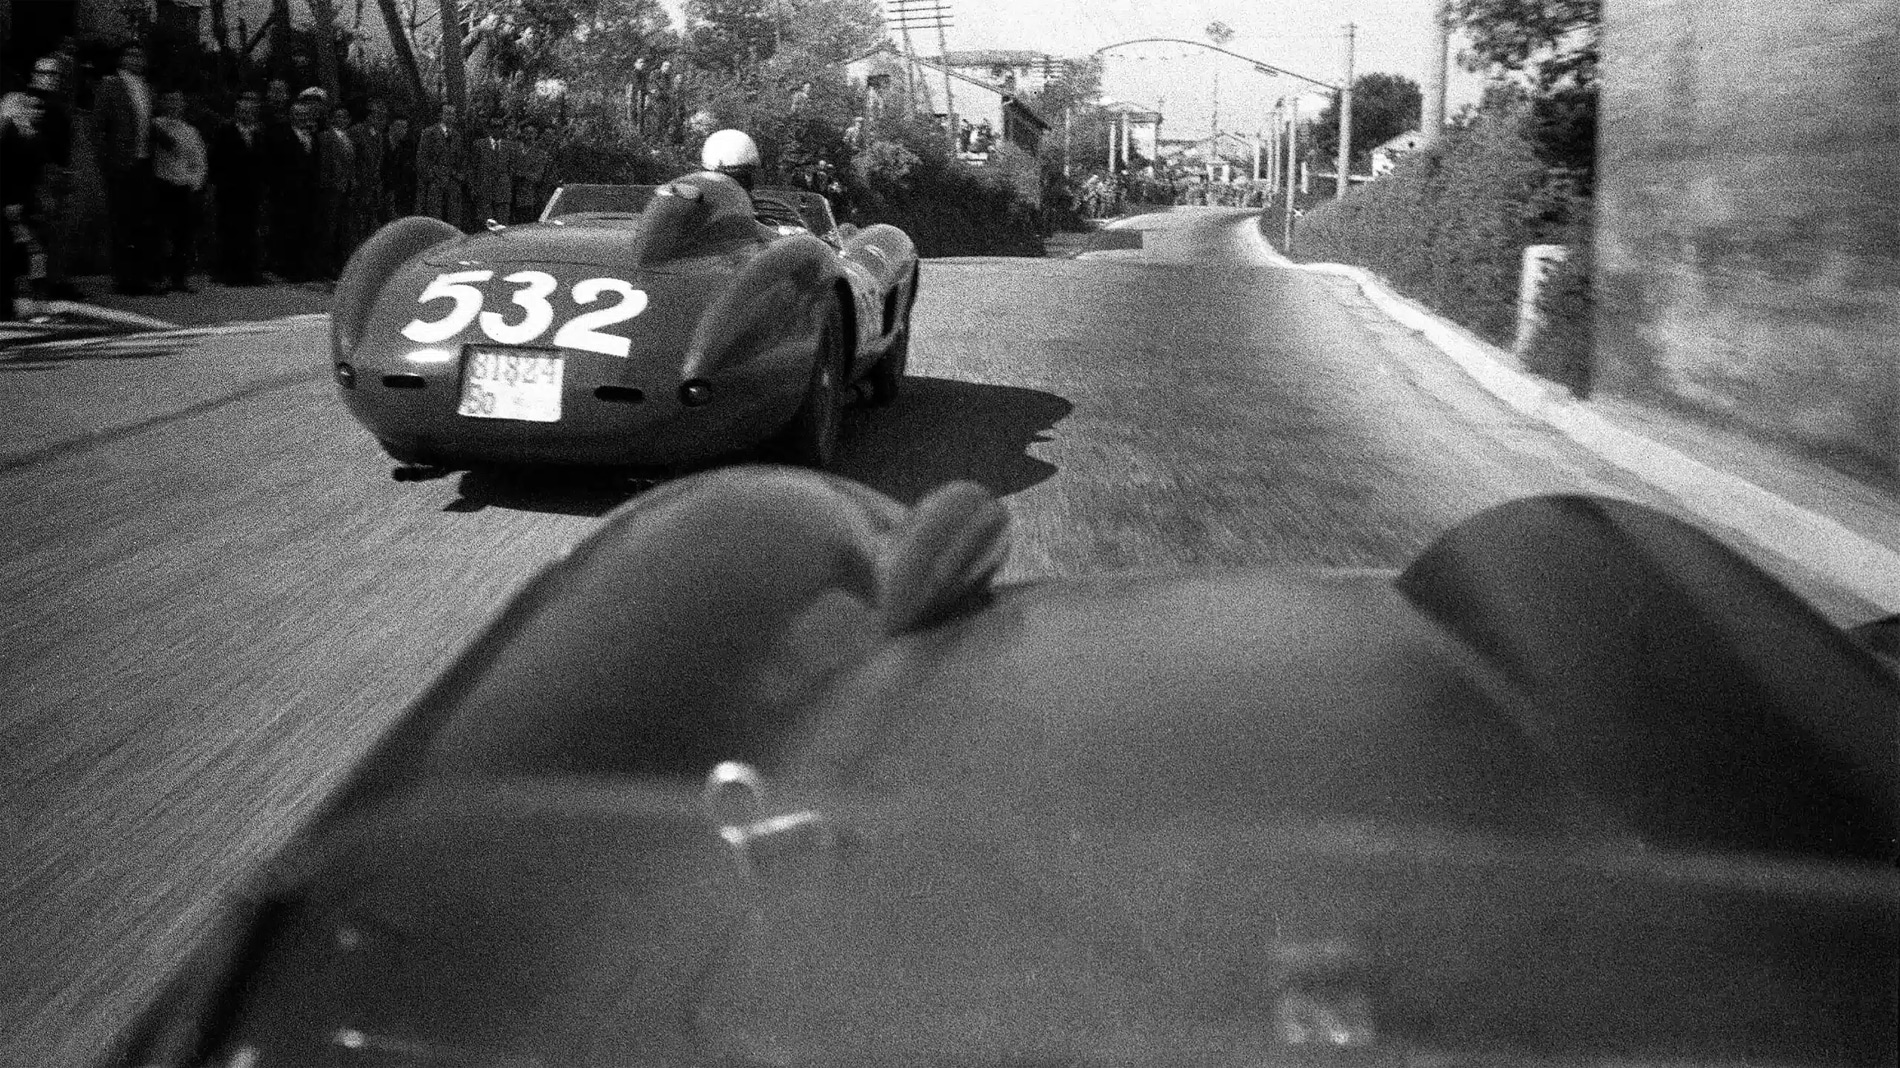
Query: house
(1139,126)
(1386,156)
(1013,70)
(889,77)
(1222,156)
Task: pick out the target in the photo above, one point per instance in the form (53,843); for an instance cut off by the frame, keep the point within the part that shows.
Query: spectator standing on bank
(336,180)
(399,168)
(240,160)
(21,159)
(54,92)
(122,122)
(369,201)
(178,164)
(492,176)
(439,169)
(276,110)
(292,188)
(531,164)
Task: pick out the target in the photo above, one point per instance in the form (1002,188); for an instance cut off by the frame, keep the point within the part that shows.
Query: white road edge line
(24,350)
(111,315)
(1805,538)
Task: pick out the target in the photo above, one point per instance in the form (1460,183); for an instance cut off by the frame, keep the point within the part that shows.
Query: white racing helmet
(731,152)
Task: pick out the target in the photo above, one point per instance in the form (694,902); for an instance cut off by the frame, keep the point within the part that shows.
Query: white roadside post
(1538,264)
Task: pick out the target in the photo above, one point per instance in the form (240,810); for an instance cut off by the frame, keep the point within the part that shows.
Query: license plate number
(508,385)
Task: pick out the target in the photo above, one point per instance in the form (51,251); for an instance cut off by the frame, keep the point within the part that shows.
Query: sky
(1305,36)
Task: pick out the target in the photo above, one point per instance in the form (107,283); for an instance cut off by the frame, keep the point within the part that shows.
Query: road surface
(216,597)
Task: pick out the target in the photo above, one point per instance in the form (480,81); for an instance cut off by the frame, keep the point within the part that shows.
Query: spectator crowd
(280,188)
(1101,196)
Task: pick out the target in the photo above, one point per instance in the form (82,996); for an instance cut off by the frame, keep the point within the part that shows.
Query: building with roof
(1136,128)
(890,77)
(1014,70)
(1386,156)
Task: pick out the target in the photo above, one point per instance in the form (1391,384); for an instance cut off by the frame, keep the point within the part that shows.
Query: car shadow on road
(941,430)
(561,492)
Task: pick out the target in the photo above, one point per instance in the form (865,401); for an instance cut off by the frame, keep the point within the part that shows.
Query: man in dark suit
(439,174)
(369,198)
(491,184)
(293,193)
(399,168)
(336,184)
(240,161)
(122,119)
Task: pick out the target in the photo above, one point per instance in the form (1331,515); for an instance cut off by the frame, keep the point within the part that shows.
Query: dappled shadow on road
(553,490)
(941,430)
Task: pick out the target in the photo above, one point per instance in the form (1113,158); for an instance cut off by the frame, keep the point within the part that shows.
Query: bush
(1564,350)
(1448,227)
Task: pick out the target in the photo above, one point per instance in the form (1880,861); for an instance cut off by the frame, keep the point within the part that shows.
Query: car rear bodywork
(678,333)
(1579,786)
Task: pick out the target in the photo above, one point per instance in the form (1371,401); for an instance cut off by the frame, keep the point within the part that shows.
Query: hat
(314,93)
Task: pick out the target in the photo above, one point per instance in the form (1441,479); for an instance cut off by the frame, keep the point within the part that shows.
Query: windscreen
(598,199)
(812,209)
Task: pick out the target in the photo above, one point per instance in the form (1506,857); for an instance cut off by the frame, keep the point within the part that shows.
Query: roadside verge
(1846,537)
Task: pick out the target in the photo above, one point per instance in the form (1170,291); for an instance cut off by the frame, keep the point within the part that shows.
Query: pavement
(211,305)
(1844,528)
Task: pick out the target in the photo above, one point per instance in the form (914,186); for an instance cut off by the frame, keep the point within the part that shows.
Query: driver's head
(734,154)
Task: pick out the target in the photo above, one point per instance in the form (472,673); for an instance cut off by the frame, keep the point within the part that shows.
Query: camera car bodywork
(1580,785)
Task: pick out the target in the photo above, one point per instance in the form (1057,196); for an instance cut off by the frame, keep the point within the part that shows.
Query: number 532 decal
(581,332)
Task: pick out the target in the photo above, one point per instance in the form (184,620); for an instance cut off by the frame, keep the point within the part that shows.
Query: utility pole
(923,14)
(1068,112)
(1435,68)
(1345,118)
(1292,168)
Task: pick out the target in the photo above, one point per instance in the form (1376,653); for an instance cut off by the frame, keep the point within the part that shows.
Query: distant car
(632,326)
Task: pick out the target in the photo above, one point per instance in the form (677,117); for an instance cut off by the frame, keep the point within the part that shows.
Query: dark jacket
(117,123)
(239,168)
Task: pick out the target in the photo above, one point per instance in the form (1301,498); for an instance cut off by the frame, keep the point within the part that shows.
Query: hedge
(1448,228)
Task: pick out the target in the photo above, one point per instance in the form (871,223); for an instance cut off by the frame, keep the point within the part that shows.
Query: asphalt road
(216,597)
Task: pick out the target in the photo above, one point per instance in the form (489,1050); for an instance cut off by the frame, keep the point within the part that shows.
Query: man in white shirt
(178,164)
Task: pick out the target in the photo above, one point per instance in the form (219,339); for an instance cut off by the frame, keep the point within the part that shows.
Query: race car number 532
(581,331)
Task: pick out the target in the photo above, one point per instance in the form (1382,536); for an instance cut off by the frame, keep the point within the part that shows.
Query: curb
(1807,539)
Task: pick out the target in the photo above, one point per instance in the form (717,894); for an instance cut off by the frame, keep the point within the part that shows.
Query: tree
(1555,45)
(327,75)
(1383,107)
(734,37)
(405,52)
(730,36)
(1555,42)
(454,80)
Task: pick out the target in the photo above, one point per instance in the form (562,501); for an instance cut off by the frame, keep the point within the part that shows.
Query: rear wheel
(811,438)
(887,378)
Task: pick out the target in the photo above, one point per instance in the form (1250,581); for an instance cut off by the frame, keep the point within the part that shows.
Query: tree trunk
(227,60)
(405,53)
(280,64)
(453,78)
(326,50)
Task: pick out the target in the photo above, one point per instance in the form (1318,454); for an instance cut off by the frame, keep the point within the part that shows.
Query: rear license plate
(511,385)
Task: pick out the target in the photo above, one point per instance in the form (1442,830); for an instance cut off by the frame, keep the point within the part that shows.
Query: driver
(734,154)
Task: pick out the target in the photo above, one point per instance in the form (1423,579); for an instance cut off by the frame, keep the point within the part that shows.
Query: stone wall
(1749,239)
